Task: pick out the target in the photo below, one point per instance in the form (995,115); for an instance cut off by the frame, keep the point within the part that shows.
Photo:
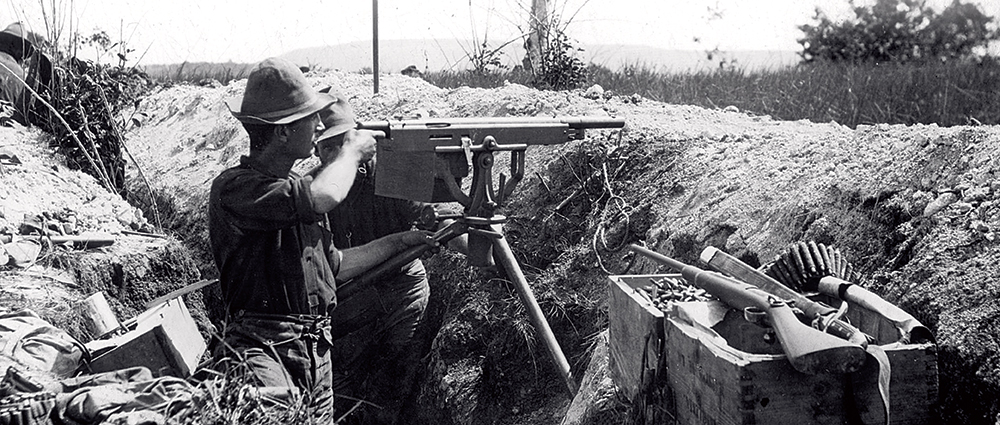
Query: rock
(976,194)
(962,207)
(22,253)
(412,71)
(419,114)
(942,200)
(732,109)
(735,243)
(944,141)
(595,402)
(594,92)
(209,82)
(920,201)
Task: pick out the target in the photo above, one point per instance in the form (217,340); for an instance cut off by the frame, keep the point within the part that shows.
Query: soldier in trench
(22,64)
(278,267)
(377,356)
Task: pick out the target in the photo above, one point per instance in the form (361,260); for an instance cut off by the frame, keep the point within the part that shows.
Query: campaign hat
(338,117)
(15,39)
(277,93)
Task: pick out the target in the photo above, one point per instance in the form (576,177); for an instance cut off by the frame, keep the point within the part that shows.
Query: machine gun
(809,350)
(427,160)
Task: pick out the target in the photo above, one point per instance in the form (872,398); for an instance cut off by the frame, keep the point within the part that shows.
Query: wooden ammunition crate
(163,339)
(635,335)
(710,381)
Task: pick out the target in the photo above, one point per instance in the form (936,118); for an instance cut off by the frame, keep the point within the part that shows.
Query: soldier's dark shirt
(273,255)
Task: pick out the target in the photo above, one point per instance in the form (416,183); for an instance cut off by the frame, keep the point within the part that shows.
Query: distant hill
(435,55)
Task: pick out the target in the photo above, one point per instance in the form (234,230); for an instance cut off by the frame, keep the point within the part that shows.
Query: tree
(898,31)
(536,42)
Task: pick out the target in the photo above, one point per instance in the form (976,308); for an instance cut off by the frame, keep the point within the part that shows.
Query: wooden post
(375,44)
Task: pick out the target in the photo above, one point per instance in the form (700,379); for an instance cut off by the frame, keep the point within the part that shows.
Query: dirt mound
(38,188)
(914,208)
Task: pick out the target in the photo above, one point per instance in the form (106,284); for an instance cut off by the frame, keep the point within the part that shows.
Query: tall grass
(944,93)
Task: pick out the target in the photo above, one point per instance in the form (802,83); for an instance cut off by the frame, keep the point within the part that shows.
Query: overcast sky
(173,31)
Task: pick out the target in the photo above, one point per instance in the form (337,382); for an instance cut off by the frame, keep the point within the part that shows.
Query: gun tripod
(484,229)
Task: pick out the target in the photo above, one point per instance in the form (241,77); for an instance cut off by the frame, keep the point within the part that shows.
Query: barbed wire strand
(623,214)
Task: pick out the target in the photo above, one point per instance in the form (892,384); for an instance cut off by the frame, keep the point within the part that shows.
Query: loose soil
(913,207)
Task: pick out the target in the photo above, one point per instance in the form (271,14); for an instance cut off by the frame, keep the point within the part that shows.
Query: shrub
(486,61)
(89,98)
(561,69)
(898,31)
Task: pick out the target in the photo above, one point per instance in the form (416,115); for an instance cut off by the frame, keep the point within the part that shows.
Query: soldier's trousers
(375,356)
(284,353)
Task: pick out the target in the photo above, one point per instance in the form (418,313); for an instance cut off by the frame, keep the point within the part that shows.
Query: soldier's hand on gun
(358,143)
(419,237)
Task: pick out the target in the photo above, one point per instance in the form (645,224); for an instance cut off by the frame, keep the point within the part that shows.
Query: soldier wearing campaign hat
(278,269)
(20,66)
(376,353)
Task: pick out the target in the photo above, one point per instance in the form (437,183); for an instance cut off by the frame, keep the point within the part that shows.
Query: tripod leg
(506,257)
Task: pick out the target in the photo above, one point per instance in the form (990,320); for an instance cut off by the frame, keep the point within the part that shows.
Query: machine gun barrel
(576,123)
(809,350)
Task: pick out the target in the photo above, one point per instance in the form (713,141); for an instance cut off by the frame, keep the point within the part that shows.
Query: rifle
(809,350)
(426,161)
(93,240)
(821,316)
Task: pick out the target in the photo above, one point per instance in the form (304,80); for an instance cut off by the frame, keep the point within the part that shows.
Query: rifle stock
(808,350)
